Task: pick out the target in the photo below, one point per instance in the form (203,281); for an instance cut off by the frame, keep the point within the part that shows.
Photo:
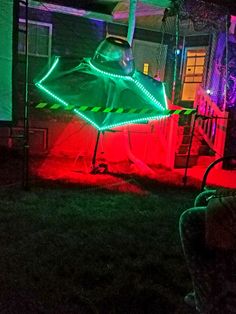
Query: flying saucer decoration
(106,90)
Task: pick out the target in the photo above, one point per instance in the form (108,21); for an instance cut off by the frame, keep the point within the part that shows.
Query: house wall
(74,37)
(155,37)
(197,41)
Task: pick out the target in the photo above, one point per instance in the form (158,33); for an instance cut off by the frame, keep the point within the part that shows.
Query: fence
(213,129)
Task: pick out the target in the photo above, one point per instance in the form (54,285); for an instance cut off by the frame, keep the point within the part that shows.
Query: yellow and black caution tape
(182,111)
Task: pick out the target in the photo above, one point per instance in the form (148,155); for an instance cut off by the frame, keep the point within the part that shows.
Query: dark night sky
(230,4)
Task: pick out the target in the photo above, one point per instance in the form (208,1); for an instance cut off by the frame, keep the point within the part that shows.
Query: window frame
(49,26)
(194,75)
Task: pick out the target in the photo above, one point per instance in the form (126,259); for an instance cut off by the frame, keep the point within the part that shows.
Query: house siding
(72,36)
(76,36)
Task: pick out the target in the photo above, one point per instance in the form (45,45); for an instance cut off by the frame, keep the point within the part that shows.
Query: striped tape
(183,111)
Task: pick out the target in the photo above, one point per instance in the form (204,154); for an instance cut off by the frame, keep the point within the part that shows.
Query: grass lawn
(65,249)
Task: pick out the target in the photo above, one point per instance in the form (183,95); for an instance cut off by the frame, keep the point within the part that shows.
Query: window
(39,39)
(150,58)
(145,68)
(194,71)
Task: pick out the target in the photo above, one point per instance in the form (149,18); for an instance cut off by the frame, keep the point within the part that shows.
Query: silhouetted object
(208,237)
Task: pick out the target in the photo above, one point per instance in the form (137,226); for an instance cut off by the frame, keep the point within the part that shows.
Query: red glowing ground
(125,177)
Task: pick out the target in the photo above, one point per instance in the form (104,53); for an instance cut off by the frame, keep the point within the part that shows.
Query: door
(193,72)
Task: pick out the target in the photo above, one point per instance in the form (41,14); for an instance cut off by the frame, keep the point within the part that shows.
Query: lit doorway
(193,72)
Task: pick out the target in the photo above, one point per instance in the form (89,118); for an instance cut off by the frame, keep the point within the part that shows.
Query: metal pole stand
(101,167)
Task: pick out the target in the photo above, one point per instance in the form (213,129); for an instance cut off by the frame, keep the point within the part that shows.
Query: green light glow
(87,119)
(52,95)
(137,83)
(151,98)
(66,104)
(92,122)
(50,71)
(149,95)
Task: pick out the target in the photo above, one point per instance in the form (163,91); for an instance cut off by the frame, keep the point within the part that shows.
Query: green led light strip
(107,126)
(149,95)
(137,83)
(52,95)
(66,104)
(50,71)
(87,119)
(124,77)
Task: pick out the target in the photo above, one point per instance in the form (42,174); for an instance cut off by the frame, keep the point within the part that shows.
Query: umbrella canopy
(106,90)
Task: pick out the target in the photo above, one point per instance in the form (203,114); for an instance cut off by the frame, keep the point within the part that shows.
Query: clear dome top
(115,55)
